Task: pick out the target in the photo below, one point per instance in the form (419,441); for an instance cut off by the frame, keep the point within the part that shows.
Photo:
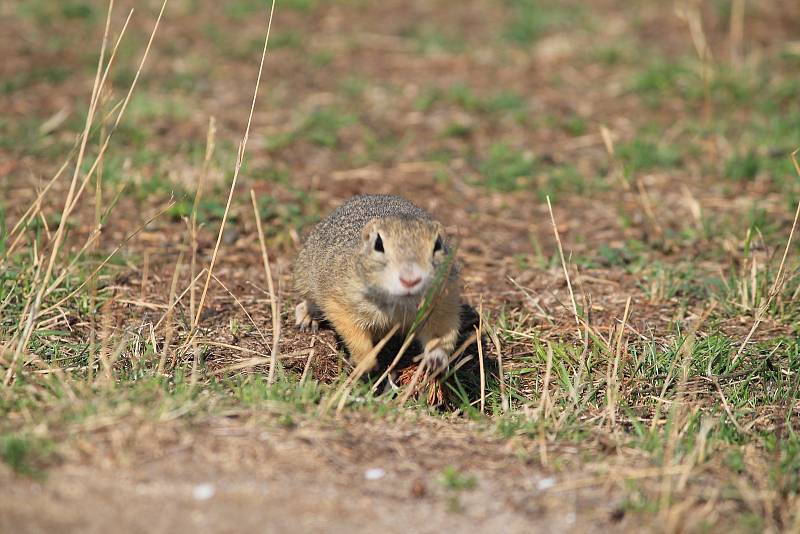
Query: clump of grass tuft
(453,479)
(507,169)
(321,128)
(26,455)
(529,20)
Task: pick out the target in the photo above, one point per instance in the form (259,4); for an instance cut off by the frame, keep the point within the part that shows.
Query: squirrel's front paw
(304,320)
(435,360)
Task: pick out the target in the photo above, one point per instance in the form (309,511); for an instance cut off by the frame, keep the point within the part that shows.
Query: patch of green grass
(209,209)
(426,100)
(664,282)
(297,214)
(242,9)
(285,39)
(575,125)
(641,155)
(691,82)
(663,78)
(430,39)
(529,20)
(743,167)
(52,74)
(353,86)
(145,108)
(321,128)
(457,129)
(453,479)
(631,256)
(763,146)
(563,180)
(24,454)
(507,169)
(498,104)
(611,55)
(46,13)
(322,58)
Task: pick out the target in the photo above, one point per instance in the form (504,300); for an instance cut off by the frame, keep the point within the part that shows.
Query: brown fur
(341,277)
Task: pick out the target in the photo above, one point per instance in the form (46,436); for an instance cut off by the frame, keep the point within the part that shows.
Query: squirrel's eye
(379,243)
(438,245)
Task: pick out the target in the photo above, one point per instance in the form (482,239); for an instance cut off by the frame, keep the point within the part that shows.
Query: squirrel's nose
(409,283)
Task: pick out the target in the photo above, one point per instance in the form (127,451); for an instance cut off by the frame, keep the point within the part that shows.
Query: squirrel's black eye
(438,245)
(379,243)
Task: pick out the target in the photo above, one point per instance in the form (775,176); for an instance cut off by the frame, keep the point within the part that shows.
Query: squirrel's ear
(370,228)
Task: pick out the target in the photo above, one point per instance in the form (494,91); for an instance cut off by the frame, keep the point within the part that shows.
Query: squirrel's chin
(405,294)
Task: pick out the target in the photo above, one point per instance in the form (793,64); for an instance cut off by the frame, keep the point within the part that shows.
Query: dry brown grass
(632,361)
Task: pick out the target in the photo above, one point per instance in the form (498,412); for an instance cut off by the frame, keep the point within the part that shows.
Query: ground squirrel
(367,266)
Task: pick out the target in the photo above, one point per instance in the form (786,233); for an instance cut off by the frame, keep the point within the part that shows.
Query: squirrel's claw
(436,360)
(304,320)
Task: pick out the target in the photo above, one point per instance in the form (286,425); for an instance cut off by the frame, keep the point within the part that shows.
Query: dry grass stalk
(647,207)
(501,375)
(106,335)
(564,266)
(543,409)
(273,297)
(612,384)
(479,336)
(201,179)
(307,366)
(545,404)
(170,328)
(145,274)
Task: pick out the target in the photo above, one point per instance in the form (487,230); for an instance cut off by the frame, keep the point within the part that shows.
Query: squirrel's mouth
(408,294)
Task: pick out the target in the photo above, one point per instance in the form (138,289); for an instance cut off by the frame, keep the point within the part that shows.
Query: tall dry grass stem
(273,297)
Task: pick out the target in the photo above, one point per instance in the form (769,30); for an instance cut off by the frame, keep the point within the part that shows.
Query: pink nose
(410,283)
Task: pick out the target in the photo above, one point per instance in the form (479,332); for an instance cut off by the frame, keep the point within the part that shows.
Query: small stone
(203,492)
(376,473)
(546,483)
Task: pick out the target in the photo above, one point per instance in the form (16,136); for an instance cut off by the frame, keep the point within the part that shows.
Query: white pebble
(546,483)
(203,492)
(375,473)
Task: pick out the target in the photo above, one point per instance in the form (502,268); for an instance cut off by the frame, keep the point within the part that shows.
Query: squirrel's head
(399,257)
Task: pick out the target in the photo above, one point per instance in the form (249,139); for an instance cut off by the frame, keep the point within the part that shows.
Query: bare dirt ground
(233,477)
(476,111)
